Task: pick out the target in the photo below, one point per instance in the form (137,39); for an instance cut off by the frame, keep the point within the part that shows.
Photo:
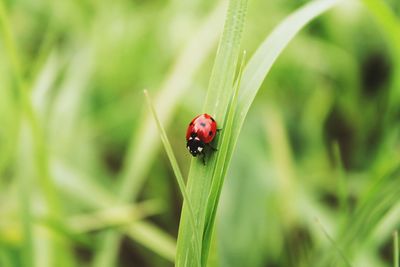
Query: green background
(76,158)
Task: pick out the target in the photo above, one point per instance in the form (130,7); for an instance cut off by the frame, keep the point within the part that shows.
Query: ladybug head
(194,145)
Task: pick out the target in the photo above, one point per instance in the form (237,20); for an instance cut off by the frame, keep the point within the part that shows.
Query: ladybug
(200,133)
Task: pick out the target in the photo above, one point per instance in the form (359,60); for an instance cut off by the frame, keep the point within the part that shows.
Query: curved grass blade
(178,176)
(200,178)
(261,62)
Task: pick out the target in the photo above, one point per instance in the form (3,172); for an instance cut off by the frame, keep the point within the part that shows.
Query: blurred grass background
(80,155)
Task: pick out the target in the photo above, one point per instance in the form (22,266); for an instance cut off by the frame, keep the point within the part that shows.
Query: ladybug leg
(204,159)
(218,130)
(212,148)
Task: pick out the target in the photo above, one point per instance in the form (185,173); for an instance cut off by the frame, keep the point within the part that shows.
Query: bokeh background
(80,154)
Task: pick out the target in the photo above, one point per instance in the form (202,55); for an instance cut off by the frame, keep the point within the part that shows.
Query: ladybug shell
(204,126)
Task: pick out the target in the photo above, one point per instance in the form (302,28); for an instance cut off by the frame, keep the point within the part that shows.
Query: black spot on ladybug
(203,124)
(210,133)
(212,119)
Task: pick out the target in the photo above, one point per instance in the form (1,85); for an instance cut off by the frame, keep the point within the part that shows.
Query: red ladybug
(201,131)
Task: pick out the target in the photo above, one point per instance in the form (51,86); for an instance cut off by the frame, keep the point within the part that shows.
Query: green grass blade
(261,62)
(200,177)
(10,46)
(153,238)
(25,200)
(114,217)
(390,24)
(334,244)
(223,73)
(219,94)
(144,143)
(341,177)
(179,178)
(220,167)
(396,249)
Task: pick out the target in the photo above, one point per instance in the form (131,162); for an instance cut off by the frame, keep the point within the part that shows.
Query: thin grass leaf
(172,91)
(220,91)
(178,176)
(10,46)
(149,236)
(114,217)
(223,73)
(25,200)
(152,237)
(334,244)
(200,178)
(220,168)
(65,232)
(340,173)
(396,249)
(390,25)
(263,59)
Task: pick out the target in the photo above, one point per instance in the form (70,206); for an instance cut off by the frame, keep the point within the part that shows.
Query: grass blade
(396,249)
(334,244)
(114,217)
(25,200)
(390,25)
(261,62)
(153,238)
(223,73)
(178,176)
(201,179)
(220,91)
(341,177)
(221,167)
